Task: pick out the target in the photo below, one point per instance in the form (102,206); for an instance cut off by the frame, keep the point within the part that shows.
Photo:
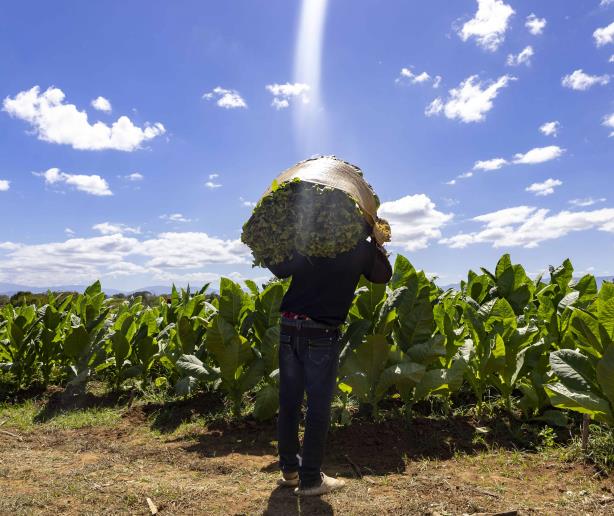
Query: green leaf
(583,402)
(369,298)
(121,348)
(267,403)
(231,300)
(403,272)
(605,373)
(76,342)
(553,418)
(253,288)
(267,307)
(189,365)
(574,369)
(187,336)
(94,289)
(403,374)
(562,275)
(229,349)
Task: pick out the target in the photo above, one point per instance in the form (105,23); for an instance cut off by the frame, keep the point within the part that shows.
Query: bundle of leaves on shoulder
(303,217)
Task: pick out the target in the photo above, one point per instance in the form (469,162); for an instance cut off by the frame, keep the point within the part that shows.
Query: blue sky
(203,104)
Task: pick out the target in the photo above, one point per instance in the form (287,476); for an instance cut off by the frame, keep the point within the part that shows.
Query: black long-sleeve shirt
(323,288)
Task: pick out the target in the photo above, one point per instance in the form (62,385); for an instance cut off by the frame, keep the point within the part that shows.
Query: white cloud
(604,35)
(608,121)
(605,3)
(414,221)
(611,59)
(434,108)
(535,25)
(5,184)
(465,175)
(407,75)
(56,122)
(469,102)
(175,217)
(135,176)
(246,203)
(91,184)
(538,155)
(528,226)
(228,99)
(490,164)
(211,184)
(588,201)
(523,57)
(284,93)
(545,188)
(489,24)
(81,260)
(107,228)
(192,250)
(101,104)
(69,232)
(578,80)
(452,182)
(550,128)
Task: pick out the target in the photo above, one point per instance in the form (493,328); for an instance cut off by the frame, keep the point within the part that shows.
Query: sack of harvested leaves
(320,207)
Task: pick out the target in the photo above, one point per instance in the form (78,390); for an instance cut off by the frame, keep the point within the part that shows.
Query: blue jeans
(306,364)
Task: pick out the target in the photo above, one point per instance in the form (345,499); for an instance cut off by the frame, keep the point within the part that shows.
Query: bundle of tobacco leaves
(303,217)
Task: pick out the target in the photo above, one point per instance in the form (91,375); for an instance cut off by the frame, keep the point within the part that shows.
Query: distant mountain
(8,289)
(156,290)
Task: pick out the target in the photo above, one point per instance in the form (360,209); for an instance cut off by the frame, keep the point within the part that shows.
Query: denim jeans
(306,364)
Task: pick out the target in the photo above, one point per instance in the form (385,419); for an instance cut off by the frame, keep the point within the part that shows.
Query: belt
(307,328)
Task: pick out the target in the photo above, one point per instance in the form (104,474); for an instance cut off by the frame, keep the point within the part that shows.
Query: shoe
(327,485)
(288,479)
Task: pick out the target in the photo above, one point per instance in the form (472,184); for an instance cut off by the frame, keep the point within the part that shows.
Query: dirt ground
(433,467)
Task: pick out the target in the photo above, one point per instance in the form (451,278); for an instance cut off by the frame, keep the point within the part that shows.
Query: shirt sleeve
(377,268)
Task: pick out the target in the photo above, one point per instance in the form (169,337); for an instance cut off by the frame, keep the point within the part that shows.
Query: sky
(135,137)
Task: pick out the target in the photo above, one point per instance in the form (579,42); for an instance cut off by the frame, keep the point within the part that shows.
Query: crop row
(541,344)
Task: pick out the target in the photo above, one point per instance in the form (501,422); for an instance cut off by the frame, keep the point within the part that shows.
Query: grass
(24,417)
(600,450)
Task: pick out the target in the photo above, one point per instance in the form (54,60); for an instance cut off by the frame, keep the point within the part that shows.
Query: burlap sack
(333,172)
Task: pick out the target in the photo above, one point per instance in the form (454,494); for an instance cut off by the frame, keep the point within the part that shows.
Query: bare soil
(433,467)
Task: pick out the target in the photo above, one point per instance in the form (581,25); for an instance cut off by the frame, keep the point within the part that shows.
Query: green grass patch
(26,417)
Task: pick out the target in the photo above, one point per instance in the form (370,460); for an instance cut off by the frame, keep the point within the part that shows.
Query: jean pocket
(321,349)
(285,339)
(319,355)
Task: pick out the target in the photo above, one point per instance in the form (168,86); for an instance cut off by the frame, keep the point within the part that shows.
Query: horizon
(135,147)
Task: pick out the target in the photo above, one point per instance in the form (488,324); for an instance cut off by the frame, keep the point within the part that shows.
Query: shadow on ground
(283,501)
(365,447)
(59,401)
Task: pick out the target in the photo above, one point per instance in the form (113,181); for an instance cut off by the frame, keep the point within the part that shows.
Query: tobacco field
(543,348)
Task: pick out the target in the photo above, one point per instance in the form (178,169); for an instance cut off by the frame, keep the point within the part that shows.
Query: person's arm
(284,269)
(378,269)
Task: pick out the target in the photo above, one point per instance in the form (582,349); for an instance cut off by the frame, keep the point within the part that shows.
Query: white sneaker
(288,480)
(328,484)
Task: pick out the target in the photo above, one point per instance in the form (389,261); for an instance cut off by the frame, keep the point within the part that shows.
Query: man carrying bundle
(326,253)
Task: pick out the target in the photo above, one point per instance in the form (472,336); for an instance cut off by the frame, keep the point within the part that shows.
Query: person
(314,307)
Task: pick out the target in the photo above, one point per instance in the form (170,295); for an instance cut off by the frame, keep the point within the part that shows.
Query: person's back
(314,307)
(323,288)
